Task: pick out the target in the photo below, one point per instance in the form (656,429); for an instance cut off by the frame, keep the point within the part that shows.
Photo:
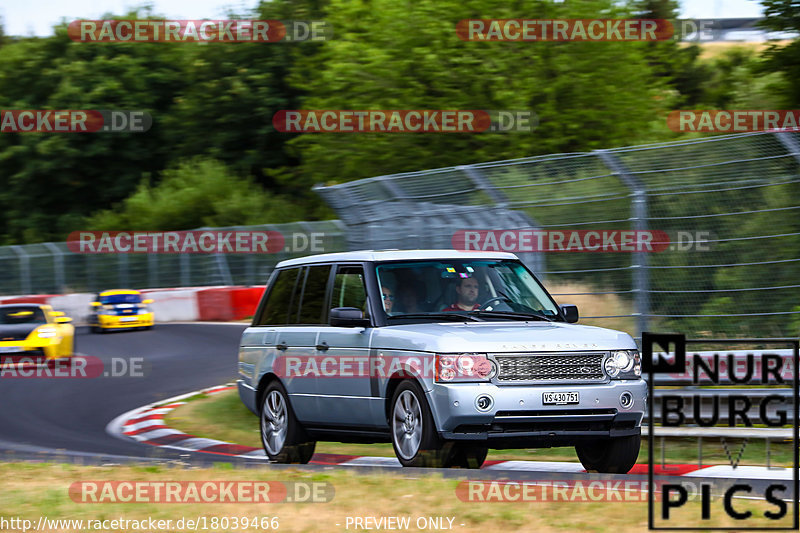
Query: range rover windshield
(463,289)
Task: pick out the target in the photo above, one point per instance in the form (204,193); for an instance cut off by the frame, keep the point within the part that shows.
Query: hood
(494,337)
(16,332)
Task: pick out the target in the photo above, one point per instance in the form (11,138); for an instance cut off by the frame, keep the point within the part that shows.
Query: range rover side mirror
(348,317)
(570,312)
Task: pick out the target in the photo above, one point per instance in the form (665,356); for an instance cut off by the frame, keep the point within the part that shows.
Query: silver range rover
(444,353)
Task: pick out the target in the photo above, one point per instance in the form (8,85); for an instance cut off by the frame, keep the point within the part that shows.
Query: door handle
(323,346)
(281,346)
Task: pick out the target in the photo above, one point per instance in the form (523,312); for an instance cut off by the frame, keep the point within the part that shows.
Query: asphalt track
(66,419)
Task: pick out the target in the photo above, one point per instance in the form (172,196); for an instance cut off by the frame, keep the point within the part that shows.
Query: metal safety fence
(725,209)
(52,268)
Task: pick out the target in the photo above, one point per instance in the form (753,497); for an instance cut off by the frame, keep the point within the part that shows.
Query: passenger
(467,291)
(388,299)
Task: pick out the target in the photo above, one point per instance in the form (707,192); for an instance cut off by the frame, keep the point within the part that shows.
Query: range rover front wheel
(414,436)
(610,456)
(283,438)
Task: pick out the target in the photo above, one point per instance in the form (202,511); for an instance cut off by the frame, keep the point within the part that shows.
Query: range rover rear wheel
(283,438)
(610,456)
(414,436)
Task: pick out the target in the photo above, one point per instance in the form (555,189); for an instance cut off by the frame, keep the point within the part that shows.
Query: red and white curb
(146,425)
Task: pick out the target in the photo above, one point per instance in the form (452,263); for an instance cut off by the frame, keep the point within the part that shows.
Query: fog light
(626,400)
(484,402)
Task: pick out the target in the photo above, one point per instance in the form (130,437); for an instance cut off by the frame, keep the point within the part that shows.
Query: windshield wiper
(450,316)
(511,314)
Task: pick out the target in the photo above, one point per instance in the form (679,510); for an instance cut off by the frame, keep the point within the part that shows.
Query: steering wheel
(486,304)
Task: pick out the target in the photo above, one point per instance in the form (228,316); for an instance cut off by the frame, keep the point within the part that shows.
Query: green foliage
(784,16)
(198,192)
(389,55)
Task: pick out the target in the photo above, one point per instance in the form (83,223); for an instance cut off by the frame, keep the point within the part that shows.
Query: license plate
(560,398)
(9,349)
(128,319)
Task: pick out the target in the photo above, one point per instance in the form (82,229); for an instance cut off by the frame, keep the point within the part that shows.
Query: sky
(37,17)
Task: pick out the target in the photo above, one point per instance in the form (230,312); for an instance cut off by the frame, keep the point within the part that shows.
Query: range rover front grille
(550,367)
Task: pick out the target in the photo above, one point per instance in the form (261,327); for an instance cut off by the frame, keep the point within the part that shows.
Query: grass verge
(31,491)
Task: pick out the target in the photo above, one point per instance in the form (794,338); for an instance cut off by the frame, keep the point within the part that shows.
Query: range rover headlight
(623,364)
(446,361)
(464,368)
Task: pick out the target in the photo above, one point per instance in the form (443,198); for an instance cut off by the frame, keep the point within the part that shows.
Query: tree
(389,55)
(196,192)
(784,16)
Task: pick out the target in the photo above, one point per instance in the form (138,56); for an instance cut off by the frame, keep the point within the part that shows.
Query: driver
(467,291)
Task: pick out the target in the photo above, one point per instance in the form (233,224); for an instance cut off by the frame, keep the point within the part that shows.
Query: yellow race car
(120,309)
(35,330)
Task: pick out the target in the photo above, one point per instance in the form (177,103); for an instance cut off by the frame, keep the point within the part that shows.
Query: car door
(275,338)
(343,388)
(299,340)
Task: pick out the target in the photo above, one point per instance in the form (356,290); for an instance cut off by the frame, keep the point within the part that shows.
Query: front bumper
(125,321)
(519,418)
(33,350)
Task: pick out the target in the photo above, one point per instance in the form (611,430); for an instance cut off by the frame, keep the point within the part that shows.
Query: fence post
(790,143)
(224,271)
(24,269)
(186,274)
(58,265)
(534,260)
(639,263)
(152,270)
(122,263)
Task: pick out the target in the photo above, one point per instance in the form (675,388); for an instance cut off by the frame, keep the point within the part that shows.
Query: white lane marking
(161,411)
(144,424)
(255,454)
(743,472)
(199,443)
(114,428)
(372,461)
(537,466)
(148,435)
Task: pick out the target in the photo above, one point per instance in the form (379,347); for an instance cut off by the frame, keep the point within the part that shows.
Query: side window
(276,310)
(349,289)
(312,309)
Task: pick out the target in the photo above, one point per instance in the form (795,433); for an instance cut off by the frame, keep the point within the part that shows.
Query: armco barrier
(76,306)
(184,304)
(228,303)
(215,304)
(245,300)
(174,305)
(34,299)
